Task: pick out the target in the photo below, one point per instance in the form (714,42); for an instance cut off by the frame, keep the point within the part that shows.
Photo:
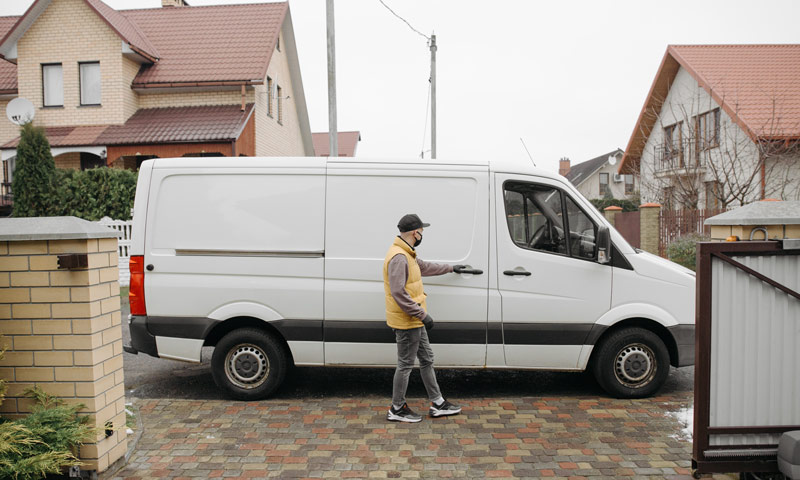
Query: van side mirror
(603,243)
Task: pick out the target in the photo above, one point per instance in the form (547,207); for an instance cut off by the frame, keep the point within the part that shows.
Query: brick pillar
(62,327)
(649,223)
(611,214)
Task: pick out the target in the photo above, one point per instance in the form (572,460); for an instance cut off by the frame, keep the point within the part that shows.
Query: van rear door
(552,288)
(364,203)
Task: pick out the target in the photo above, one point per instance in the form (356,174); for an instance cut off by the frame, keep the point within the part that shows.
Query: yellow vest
(395,316)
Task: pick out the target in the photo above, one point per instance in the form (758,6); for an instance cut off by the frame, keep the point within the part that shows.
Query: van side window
(535,217)
(582,232)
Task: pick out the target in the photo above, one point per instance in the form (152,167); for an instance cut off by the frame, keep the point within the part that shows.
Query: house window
(712,197)
(52,85)
(278,45)
(270,94)
(603,184)
(673,145)
(280,105)
(707,130)
(90,83)
(629,186)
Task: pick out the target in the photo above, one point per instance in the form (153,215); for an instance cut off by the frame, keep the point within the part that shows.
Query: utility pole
(333,134)
(433,96)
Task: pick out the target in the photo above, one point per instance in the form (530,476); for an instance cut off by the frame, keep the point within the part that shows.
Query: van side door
(552,288)
(363,206)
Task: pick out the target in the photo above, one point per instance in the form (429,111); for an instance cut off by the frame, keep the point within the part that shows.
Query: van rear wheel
(249,364)
(631,363)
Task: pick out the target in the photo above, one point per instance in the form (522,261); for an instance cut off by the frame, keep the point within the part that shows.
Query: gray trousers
(411,344)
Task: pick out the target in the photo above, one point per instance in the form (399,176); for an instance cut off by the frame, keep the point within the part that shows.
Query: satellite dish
(612,160)
(20,111)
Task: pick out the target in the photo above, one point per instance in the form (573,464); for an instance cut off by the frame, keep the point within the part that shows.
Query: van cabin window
(538,217)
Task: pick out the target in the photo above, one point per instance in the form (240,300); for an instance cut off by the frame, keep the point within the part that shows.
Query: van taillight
(136,292)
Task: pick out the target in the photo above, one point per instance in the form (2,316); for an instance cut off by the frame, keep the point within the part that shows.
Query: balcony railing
(676,157)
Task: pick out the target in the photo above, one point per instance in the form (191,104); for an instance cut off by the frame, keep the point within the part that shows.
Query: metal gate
(629,226)
(747,351)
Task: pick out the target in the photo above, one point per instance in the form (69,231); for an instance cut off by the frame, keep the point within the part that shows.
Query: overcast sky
(568,77)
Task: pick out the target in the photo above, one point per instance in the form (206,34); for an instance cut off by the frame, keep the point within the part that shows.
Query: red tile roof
(758,86)
(217,123)
(8,70)
(347,143)
(187,45)
(179,125)
(125,29)
(223,43)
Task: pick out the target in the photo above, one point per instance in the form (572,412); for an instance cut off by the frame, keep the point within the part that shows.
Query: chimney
(174,3)
(563,166)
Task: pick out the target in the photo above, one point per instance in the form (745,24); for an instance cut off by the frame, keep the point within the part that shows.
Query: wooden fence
(677,223)
(123,229)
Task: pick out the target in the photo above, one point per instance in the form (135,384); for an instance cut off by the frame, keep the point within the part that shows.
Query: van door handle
(517,272)
(473,271)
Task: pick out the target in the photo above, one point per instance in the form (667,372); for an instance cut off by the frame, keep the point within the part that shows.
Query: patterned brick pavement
(519,437)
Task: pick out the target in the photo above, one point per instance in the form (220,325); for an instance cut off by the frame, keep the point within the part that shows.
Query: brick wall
(68,160)
(8,131)
(62,330)
(68,32)
(188,99)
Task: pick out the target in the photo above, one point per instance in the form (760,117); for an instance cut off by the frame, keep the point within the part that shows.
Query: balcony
(676,159)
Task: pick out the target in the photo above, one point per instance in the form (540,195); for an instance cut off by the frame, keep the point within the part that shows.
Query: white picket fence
(123,228)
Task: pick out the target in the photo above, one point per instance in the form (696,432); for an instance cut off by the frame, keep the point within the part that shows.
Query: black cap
(411,222)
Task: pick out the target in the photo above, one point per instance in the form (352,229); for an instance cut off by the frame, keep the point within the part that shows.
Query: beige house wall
(8,131)
(274,138)
(191,99)
(130,100)
(68,32)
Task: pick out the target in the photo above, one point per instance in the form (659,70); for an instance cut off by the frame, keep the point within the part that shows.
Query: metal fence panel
(747,372)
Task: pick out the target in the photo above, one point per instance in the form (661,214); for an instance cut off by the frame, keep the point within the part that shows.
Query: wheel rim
(635,365)
(247,366)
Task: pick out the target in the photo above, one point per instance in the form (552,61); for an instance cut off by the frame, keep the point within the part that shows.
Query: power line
(406,21)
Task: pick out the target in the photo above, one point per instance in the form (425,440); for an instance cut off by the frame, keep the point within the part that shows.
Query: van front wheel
(249,364)
(631,363)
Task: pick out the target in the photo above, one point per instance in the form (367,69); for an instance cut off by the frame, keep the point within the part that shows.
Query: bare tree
(704,154)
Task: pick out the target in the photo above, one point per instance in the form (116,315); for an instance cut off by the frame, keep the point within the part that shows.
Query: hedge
(93,194)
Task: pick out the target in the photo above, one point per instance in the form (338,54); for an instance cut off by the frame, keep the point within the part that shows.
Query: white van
(278,261)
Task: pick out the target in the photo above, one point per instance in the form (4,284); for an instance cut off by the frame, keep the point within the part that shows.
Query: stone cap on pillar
(51,228)
(650,205)
(613,208)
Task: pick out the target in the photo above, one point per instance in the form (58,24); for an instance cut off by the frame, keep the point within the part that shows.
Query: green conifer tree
(33,175)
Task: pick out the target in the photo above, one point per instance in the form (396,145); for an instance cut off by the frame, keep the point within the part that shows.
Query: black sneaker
(404,414)
(443,409)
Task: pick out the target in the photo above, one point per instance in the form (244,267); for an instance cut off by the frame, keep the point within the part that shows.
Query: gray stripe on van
(251,253)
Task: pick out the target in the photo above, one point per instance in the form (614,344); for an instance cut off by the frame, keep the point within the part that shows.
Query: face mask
(416,243)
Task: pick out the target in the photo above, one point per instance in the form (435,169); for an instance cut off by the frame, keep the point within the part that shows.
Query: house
(598,177)
(116,87)
(720,127)
(346,141)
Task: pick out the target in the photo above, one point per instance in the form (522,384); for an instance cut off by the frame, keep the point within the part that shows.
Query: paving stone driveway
(519,437)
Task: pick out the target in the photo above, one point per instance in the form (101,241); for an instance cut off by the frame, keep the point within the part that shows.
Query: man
(406,314)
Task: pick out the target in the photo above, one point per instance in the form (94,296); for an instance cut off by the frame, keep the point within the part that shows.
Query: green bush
(626,205)
(33,175)
(683,250)
(94,194)
(44,442)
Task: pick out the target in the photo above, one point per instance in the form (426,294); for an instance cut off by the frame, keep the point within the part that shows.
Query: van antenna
(526,149)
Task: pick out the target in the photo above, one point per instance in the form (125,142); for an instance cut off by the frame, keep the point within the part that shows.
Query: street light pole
(433,96)
(333,136)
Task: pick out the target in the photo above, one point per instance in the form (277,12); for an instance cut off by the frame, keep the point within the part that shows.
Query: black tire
(631,363)
(249,364)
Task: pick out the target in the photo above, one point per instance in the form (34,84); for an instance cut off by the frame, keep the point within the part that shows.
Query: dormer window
(52,85)
(90,83)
